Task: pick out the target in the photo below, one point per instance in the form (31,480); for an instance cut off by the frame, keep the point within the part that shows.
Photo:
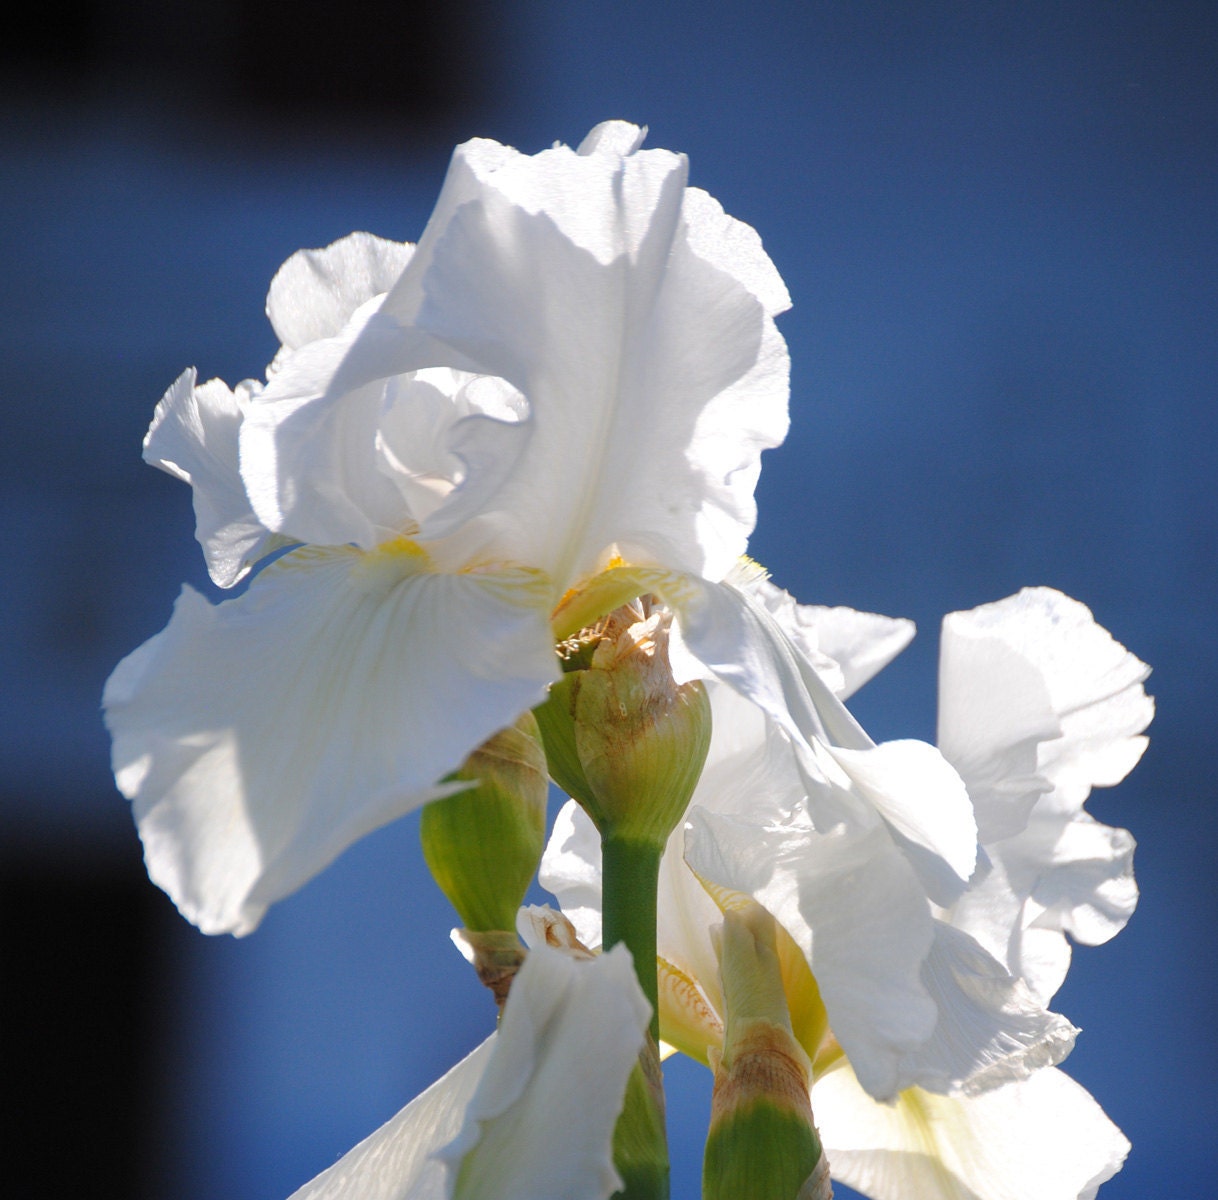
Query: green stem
(630,870)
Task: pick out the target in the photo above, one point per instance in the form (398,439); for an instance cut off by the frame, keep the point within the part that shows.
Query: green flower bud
(762,1142)
(621,736)
(483,844)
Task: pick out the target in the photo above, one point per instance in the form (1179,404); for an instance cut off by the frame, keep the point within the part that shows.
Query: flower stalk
(628,743)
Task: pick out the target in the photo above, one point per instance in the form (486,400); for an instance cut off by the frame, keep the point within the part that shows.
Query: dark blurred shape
(59,39)
(80,1007)
(312,62)
(374,56)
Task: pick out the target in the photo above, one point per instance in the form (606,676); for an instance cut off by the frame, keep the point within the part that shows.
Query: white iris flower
(554,403)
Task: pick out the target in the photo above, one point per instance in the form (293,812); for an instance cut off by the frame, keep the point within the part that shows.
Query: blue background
(997,223)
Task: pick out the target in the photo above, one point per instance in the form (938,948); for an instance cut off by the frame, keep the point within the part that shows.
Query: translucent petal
(193,436)
(1044,1138)
(571,871)
(315,292)
(261,737)
(924,804)
(907,783)
(613,137)
(654,377)
(861,643)
(398,1161)
(1072,714)
(540,1126)
(1060,875)
(991,1029)
(734,247)
(1089,684)
(995,712)
(626,315)
(315,472)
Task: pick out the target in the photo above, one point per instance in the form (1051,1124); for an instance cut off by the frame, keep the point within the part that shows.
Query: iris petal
(260,737)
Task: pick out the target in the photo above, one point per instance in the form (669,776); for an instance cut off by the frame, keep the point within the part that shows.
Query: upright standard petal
(624,311)
(315,473)
(261,737)
(314,294)
(1074,720)
(654,375)
(1044,1138)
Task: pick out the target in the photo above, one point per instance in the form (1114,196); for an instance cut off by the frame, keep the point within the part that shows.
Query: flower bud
(483,844)
(621,736)
(762,1142)
(495,954)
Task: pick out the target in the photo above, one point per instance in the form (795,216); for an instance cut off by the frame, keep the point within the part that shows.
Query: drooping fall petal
(991,1028)
(260,737)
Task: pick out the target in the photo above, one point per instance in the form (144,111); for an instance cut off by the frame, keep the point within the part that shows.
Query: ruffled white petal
(846,647)
(1074,720)
(540,1126)
(626,315)
(734,247)
(1063,673)
(925,806)
(909,784)
(315,292)
(398,1161)
(316,473)
(613,137)
(861,643)
(193,436)
(261,737)
(991,1029)
(1044,1138)
(995,712)
(1058,876)
(654,378)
